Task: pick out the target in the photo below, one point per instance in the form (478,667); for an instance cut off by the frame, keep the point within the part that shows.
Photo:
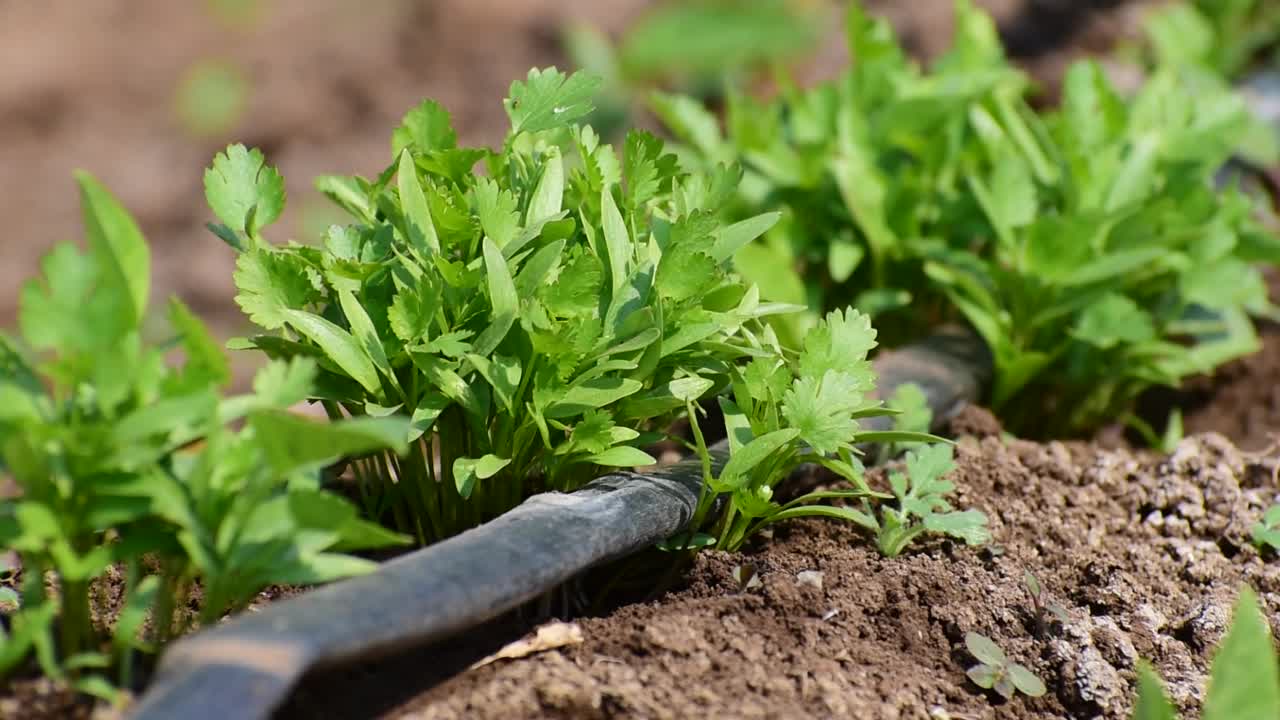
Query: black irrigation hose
(245,668)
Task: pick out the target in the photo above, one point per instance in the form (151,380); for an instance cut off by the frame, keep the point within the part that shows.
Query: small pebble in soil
(810,578)
(746,576)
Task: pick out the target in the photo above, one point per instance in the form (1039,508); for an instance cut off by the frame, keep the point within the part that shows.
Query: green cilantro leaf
(685,273)
(593,434)
(821,407)
(576,290)
(840,343)
(413,310)
(272,282)
(423,129)
(1113,320)
(63,313)
(497,211)
(243,191)
(646,169)
(922,506)
(282,384)
(548,99)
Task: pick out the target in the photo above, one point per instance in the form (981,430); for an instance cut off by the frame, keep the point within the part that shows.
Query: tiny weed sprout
(1244,680)
(997,672)
(130,463)
(1087,245)
(534,323)
(922,506)
(1037,593)
(1266,532)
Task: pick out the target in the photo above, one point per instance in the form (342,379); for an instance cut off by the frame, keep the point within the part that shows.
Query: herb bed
(638,659)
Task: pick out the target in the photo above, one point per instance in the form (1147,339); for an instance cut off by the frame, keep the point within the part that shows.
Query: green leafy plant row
(131,464)
(552,316)
(1086,245)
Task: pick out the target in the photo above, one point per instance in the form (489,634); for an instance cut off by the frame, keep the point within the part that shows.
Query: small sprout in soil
(997,672)
(1244,681)
(1036,590)
(922,506)
(1266,533)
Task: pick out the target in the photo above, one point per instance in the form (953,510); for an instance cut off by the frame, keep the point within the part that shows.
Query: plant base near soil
(1079,517)
(1145,553)
(1242,399)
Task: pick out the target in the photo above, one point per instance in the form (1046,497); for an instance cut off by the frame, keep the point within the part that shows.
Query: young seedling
(1266,532)
(922,506)
(997,672)
(1037,593)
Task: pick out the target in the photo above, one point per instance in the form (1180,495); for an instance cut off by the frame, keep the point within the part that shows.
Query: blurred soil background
(142,93)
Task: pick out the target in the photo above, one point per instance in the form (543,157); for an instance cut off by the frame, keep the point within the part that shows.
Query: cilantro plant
(534,323)
(996,671)
(1244,681)
(922,506)
(127,459)
(1086,245)
(784,413)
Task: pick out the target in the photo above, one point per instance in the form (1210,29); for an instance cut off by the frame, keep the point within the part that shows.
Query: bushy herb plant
(129,461)
(1086,245)
(536,322)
